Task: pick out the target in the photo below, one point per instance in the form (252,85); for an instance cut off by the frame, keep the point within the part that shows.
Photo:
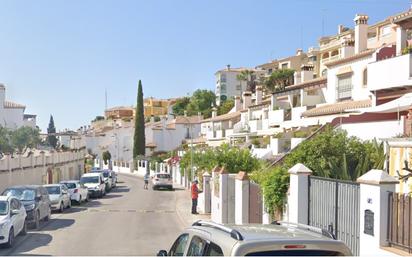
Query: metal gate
(255,204)
(334,205)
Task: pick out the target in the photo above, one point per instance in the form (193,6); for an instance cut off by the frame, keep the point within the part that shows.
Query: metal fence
(399,221)
(334,205)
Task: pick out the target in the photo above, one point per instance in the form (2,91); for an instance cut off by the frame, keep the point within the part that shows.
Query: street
(127,221)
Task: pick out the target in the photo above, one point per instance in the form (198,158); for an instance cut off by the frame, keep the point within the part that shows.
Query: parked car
(59,197)
(112,177)
(107,180)
(12,219)
(162,180)
(36,201)
(77,191)
(212,239)
(95,184)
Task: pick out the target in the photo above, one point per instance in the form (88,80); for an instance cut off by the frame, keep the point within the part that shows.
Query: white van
(94,183)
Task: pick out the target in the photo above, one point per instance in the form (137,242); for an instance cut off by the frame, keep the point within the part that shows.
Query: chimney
(347,48)
(306,72)
(238,105)
(361,33)
(214,112)
(259,93)
(296,77)
(340,29)
(228,67)
(247,99)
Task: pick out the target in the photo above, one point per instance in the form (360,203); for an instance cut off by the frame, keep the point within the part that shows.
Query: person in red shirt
(195,194)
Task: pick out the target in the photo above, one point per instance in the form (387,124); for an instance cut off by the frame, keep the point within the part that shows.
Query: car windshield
(85,180)
(54,190)
(23,194)
(106,174)
(70,185)
(163,176)
(4,207)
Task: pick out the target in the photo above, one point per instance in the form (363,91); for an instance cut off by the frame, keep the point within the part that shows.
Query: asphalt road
(127,221)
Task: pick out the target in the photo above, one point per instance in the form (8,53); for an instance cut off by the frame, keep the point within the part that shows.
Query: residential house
(12,114)
(157,107)
(170,133)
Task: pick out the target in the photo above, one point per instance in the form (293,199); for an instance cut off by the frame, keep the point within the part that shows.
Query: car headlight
(97,187)
(3,225)
(30,207)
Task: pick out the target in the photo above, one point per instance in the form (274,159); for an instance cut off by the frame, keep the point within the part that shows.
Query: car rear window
(70,185)
(163,175)
(296,253)
(53,190)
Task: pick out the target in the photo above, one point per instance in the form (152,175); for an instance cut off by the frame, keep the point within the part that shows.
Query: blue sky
(58,57)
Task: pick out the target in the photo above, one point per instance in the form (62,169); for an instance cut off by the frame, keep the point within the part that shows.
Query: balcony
(276,117)
(390,73)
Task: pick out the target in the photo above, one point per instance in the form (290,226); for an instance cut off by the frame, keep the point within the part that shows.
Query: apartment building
(228,85)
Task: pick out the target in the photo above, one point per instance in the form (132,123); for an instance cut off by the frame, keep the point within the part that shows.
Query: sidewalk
(184,207)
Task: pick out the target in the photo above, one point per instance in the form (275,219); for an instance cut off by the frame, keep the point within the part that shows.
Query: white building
(12,114)
(227,84)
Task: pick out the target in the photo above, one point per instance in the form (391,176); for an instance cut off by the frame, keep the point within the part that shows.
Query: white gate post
(298,203)
(223,196)
(242,198)
(206,192)
(375,186)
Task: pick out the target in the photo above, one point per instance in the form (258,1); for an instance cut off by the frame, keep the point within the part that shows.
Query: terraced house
(358,80)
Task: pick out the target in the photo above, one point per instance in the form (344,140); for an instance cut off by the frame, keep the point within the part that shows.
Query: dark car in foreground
(36,201)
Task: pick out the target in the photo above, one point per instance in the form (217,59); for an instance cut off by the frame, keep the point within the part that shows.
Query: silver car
(212,239)
(59,197)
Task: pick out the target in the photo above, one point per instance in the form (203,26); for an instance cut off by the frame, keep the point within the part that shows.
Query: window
(178,248)
(285,65)
(324,73)
(386,30)
(223,88)
(344,89)
(325,56)
(365,77)
(239,87)
(336,52)
(196,247)
(223,77)
(214,250)
(270,71)
(313,58)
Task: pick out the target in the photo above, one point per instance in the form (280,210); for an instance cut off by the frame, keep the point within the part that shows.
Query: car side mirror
(162,253)
(14,212)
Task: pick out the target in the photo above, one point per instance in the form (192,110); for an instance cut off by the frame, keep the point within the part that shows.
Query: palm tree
(249,77)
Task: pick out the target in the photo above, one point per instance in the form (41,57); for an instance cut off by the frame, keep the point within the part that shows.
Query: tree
(249,77)
(139,144)
(5,140)
(225,106)
(25,137)
(106,157)
(51,131)
(180,106)
(279,79)
(201,101)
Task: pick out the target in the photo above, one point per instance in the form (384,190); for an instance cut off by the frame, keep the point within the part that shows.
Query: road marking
(128,211)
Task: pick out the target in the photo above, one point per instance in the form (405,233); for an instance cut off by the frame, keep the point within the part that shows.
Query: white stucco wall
(371,130)
(359,91)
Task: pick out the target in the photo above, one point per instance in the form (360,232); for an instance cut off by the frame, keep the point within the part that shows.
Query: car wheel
(87,197)
(10,242)
(154,187)
(37,220)
(80,200)
(61,209)
(23,231)
(48,216)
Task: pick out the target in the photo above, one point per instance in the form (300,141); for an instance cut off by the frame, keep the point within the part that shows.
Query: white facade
(227,84)
(12,114)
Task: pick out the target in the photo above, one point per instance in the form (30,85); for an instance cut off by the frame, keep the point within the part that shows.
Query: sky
(59,57)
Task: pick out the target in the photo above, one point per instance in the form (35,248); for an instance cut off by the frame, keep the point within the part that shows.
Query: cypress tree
(51,130)
(139,144)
